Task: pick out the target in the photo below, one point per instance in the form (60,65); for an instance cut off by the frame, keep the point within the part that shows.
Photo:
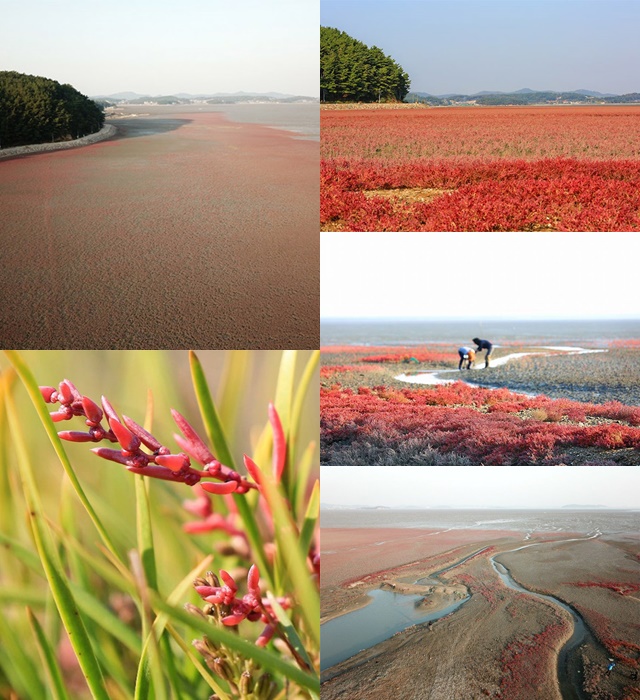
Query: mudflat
(501,642)
(185,230)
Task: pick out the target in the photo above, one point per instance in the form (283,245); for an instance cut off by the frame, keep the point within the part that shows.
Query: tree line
(350,71)
(34,109)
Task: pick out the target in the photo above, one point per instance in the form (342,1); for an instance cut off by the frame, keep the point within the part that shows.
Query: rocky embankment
(107,132)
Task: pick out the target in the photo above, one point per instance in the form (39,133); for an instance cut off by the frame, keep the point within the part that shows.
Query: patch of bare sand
(408,194)
(469,654)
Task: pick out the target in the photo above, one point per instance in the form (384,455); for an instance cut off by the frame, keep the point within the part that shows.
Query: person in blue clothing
(468,356)
(483,345)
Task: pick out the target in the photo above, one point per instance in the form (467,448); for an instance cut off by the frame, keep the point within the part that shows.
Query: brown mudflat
(185,231)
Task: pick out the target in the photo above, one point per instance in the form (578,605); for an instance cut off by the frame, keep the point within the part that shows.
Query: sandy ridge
(107,132)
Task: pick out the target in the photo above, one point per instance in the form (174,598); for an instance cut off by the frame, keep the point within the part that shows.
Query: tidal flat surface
(186,230)
(577,520)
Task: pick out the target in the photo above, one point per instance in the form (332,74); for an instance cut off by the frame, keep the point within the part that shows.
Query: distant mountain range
(188,98)
(523,96)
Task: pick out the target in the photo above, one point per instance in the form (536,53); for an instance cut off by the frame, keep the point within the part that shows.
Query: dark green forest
(38,110)
(350,71)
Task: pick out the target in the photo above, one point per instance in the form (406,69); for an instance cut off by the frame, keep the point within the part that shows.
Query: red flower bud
(174,462)
(228,579)
(253,580)
(253,469)
(111,455)
(234,619)
(192,443)
(47,393)
(213,487)
(146,438)
(125,437)
(75,436)
(65,392)
(109,410)
(92,411)
(266,635)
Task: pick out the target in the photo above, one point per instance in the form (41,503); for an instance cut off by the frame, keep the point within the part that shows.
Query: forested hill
(39,110)
(350,71)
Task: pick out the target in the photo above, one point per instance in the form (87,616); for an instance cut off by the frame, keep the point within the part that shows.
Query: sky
(466,46)
(165,46)
(480,487)
(482,275)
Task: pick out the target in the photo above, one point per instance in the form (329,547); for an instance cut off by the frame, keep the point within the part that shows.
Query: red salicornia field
(415,168)
(370,415)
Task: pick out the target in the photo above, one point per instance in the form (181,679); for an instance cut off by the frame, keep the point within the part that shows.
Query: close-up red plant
(129,557)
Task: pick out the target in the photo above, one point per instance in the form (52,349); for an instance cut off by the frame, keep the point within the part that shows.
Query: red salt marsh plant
(520,661)
(486,169)
(208,586)
(487,426)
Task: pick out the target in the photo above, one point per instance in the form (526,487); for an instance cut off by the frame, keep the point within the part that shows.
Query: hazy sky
(516,487)
(165,46)
(467,46)
(483,275)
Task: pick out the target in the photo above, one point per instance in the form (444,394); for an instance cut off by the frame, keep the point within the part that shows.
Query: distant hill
(574,506)
(136,98)
(525,96)
(40,110)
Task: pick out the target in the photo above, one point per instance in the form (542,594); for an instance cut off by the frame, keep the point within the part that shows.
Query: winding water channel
(390,613)
(448,376)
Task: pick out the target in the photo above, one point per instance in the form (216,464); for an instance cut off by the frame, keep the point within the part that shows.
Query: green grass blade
(210,417)
(310,519)
(232,389)
(67,609)
(41,408)
(303,474)
(195,660)
(216,436)
(283,403)
(300,396)
(175,597)
(19,667)
(284,388)
(56,682)
(289,629)
(295,560)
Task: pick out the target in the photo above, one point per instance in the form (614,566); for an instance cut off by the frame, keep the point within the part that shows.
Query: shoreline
(108,131)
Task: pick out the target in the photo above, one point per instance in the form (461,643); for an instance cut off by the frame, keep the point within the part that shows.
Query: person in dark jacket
(483,345)
(468,356)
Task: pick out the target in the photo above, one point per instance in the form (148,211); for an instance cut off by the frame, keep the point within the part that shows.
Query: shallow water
(387,614)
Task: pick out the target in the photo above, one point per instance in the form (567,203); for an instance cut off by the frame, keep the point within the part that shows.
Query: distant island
(525,96)
(36,110)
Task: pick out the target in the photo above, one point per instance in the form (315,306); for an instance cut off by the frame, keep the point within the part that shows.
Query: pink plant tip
(217,488)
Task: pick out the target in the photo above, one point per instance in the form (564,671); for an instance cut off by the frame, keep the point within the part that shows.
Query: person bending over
(483,345)
(466,355)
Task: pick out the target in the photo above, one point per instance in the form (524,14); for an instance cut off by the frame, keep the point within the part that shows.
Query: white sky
(165,46)
(516,487)
(489,275)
